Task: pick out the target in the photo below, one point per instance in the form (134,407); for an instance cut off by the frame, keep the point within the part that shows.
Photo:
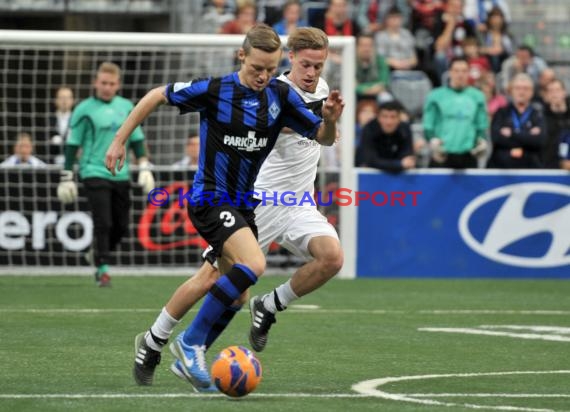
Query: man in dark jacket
(518,130)
(386,142)
(557,115)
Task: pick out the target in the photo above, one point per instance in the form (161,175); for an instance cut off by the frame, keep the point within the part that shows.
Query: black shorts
(217,223)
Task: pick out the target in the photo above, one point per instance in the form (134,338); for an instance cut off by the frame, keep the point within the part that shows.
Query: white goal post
(35,63)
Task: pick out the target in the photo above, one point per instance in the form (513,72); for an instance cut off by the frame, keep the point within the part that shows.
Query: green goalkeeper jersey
(457,117)
(94,123)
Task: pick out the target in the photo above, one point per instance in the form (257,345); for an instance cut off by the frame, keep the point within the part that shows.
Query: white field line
(371,387)
(486,395)
(533,328)
(172,395)
(475,331)
(301,309)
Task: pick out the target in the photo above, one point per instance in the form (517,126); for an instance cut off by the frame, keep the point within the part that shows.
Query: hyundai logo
(525,224)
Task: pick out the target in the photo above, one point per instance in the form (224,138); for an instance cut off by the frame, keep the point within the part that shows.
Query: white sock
(279,298)
(161,330)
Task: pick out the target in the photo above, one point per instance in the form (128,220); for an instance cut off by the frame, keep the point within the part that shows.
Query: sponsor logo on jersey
(249,143)
(274,110)
(180,85)
(250,103)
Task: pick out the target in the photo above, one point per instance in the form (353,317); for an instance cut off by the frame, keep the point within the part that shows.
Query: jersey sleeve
(79,125)
(188,97)
(298,116)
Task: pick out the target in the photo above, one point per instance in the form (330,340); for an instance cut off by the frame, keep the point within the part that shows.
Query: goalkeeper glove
(437,151)
(146,179)
(67,188)
(480,148)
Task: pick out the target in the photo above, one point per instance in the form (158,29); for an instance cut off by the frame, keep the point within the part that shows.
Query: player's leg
(120,210)
(233,233)
(100,202)
(216,329)
(148,345)
(309,236)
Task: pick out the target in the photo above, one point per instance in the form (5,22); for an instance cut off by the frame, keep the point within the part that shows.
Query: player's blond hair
(261,37)
(303,38)
(109,67)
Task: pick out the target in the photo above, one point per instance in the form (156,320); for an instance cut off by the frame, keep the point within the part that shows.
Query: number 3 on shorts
(228,218)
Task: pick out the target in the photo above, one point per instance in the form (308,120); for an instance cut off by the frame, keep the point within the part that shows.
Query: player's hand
(333,107)
(146,179)
(116,152)
(480,148)
(437,150)
(67,188)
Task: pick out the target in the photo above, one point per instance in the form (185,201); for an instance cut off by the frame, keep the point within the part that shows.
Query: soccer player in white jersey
(290,167)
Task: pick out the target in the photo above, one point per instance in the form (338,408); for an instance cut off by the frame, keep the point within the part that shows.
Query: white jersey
(292,164)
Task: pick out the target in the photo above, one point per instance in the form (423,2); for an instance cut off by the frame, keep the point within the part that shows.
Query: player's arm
(67,189)
(141,111)
(332,109)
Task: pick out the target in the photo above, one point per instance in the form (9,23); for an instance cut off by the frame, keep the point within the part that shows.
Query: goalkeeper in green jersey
(93,125)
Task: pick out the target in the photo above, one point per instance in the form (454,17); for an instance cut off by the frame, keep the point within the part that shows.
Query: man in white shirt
(59,123)
(23,156)
(192,151)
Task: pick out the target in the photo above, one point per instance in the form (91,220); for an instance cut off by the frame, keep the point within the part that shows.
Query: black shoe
(261,321)
(146,361)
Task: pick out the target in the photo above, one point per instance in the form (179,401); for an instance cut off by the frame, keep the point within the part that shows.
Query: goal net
(35,229)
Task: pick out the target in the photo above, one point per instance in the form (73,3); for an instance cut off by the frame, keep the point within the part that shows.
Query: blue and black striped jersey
(238,129)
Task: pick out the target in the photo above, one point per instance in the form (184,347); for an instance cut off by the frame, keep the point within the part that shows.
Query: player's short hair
(303,38)
(261,37)
(109,67)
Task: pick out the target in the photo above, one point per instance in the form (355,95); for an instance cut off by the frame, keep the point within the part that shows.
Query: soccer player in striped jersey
(241,117)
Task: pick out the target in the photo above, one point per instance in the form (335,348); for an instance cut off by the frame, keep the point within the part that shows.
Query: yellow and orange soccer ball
(236,371)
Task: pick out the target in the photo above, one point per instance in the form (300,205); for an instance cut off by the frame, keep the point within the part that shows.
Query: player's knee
(256,264)
(331,262)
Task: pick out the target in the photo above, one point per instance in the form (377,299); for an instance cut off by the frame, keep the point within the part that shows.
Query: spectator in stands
(216,13)
(371,14)
(478,64)
(396,43)
(477,12)
(59,123)
(495,100)
(269,11)
(424,14)
(336,20)
(245,19)
(366,111)
(518,130)
(372,71)
(455,120)
(497,42)
(23,153)
(545,78)
(192,151)
(291,18)
(94,123)
(523,61)
(557,113)
(451,29)
(387,141)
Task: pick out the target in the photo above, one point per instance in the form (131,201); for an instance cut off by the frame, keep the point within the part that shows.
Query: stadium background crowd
(404,48)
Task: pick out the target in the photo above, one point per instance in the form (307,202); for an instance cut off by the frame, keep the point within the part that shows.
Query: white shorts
(291,227)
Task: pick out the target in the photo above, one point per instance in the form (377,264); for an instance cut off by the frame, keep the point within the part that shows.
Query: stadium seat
(411,88)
